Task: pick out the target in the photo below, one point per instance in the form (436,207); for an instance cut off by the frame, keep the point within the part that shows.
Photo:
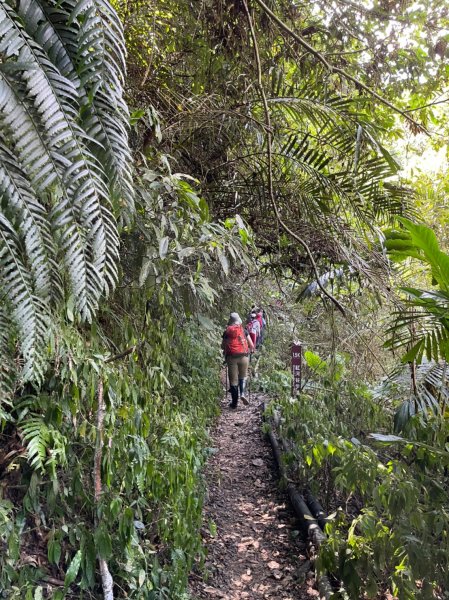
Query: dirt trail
(257,552)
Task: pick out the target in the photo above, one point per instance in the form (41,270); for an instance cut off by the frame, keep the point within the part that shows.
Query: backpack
(254,326)
(253,329)
(235,340)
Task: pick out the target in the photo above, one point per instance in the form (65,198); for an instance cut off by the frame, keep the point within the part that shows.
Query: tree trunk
(106,577)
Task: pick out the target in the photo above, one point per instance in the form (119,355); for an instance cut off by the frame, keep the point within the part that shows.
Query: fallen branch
(106,577)
(120,355)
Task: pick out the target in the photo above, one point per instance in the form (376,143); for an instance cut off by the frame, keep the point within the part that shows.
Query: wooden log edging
(315,508)
(312,503)
(309,523)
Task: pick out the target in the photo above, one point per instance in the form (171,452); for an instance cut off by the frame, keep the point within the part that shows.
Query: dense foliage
(376,455)
(260,160)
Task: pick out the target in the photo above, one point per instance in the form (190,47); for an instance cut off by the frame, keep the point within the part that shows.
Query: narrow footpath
(255,550)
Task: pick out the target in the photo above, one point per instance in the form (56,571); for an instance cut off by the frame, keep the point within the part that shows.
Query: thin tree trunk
(106,577)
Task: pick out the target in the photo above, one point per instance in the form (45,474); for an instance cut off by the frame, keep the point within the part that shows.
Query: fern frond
(100,60)
(37,435)
(29,218)
(29,312)
(65,158)
(101,48)
(40,146)
(53,96)
(45,444)
(115,155)
(7,367)
(48,25)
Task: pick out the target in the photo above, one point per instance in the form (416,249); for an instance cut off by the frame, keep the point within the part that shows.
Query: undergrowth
(148,521)
(80,485)
(388,526)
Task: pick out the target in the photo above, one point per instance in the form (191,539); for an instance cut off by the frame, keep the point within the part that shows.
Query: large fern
(65,165)
(334,182)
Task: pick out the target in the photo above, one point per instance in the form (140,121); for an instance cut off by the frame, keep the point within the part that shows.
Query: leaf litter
(253,549)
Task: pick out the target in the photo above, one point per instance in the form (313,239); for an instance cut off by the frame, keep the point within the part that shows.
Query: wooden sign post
(296,368)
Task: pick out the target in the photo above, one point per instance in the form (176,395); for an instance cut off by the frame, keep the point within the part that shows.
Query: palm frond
(425,387)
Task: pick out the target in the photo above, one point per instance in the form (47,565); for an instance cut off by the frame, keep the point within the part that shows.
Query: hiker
(260,316)
(237,344)
(253,328)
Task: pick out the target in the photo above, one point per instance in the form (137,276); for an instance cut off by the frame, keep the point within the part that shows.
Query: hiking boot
(234,396)
(242,385)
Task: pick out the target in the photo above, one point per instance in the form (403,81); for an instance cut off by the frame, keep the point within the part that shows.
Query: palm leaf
(426,389)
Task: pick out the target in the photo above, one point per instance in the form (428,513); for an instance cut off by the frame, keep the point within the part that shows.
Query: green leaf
(403,414)
(142,576)
(224,262)
(70,306)
(38,593)
(73,569)
(115,507)
(54,551)
(163,246)
(411,355)
(315,362)
(103,542)
(387,438)
(136,115)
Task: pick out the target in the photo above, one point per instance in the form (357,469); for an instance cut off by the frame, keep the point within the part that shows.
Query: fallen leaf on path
(213,591)
(273,565)
(244,545)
